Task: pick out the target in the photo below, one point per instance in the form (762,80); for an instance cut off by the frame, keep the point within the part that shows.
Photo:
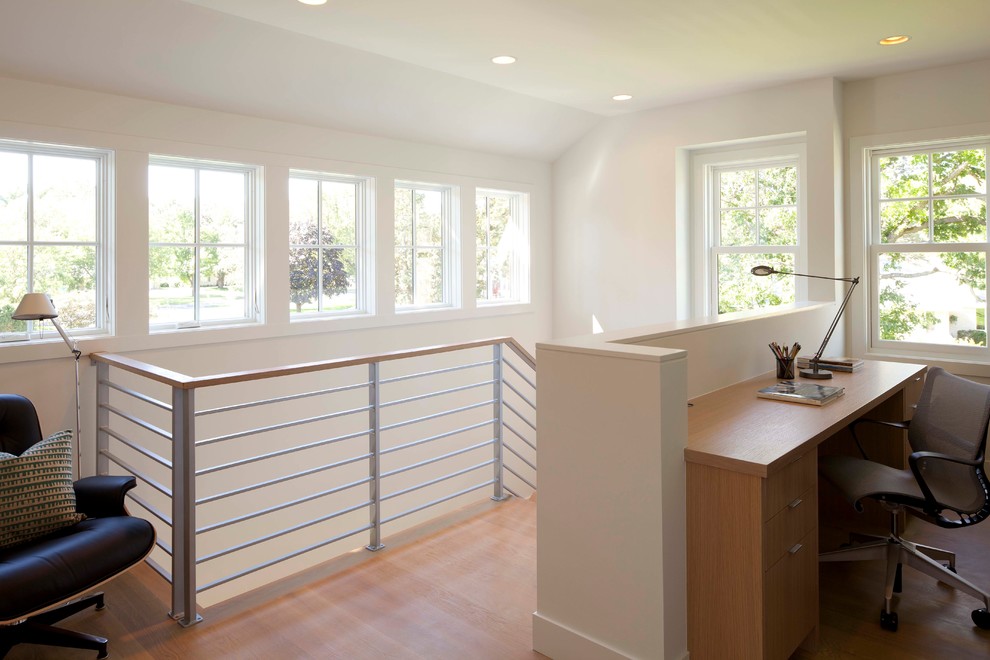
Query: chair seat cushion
(48,570)
(858,478)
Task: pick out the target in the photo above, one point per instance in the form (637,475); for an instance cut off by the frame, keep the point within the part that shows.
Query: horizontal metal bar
(164,490)
(510,491)
(519,394)
(519,415)
(519,373)
(396,379)
(435,459)
(420,397)
(302,551)
(432,482)
(281,452)
(137,395)
(158,569)
(161,460)
(283,425)
(150,508)
(288,530)
(288,477)
(519,435)
(422,441)
(279,507)
(519,476)
(140,422)
(389,427)
(280,399)
(519,456)
(439,501)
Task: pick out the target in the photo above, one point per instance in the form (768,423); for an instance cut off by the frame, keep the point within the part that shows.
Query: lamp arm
(69,341)
(835,321)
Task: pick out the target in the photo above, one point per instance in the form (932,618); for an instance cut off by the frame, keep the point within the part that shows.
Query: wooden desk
(752,507)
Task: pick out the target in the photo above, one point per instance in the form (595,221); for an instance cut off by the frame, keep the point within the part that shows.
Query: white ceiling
(420,70)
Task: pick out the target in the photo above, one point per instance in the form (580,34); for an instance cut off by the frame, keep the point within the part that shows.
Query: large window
(54,224)
(501,232)
(202,230)
(329,260)
(424,243)
(928,247)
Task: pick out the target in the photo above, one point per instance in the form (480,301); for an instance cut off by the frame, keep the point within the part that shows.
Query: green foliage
(305,272)
(898,315)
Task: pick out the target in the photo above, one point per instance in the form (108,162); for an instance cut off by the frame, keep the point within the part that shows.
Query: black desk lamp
(815,372)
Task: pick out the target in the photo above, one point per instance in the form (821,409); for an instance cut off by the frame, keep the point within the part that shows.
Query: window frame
(449,245)
(874,248)
(253,242)
(102,243)
(706,164)
(519,212)
(364,190)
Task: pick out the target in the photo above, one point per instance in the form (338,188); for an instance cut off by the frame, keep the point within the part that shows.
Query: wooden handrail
(182,381)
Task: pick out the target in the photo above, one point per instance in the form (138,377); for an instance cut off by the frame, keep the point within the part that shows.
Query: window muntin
(754,217)
(202,226)
(54,228)
(329,259)
(929,247)
(423,246)
(502,247)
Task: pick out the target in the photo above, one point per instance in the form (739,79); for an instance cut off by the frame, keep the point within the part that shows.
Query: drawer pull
(795,504)
(795,548)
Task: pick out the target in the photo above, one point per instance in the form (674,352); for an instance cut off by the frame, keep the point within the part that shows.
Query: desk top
(732,428)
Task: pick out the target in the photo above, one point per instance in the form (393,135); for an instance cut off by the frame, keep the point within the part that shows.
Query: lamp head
(35,307)
(762,271)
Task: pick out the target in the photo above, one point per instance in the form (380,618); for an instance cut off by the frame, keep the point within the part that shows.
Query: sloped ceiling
(421,70)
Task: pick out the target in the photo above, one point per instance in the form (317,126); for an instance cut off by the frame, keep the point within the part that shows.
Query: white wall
(619,225)
(134,128)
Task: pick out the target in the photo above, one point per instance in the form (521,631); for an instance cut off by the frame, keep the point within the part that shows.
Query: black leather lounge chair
(43,578)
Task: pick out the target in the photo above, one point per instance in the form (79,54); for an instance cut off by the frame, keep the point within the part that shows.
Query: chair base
(39,629)
(897,552)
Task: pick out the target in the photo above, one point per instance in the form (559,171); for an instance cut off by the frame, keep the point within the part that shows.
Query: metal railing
(243,473)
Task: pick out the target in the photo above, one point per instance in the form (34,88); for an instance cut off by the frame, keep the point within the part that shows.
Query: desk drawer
(791,606)
(791,524)
(783,487)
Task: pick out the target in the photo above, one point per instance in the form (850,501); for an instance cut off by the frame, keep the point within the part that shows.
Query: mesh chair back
(952,418)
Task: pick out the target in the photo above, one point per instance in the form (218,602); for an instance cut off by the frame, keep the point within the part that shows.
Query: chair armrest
(102,496)
(852,428)
(932,506)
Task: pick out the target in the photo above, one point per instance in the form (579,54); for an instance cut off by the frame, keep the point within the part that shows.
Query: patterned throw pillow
(36,494)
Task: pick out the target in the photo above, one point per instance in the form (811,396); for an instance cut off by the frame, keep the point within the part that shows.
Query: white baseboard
(555,640)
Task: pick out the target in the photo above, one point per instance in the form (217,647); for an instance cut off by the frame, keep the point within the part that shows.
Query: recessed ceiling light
(503,59)
(895,40)
(313,2)
(621,97)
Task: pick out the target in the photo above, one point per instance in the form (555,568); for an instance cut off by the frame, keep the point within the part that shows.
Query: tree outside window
(200,220)
(422,245)
(930,245)
(53,219)
(501,247)
(326,227)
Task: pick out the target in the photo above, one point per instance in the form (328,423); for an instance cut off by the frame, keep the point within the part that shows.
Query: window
(202,229)
(503,247)
(928,247)
(424,236)
(54,228)
(748,208)
(329,259)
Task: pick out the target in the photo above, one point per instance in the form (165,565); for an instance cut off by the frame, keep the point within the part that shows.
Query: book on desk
(807,393)
(830,363)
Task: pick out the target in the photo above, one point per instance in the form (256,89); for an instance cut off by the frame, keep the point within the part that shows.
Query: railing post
(375,463)
(184,507)
(102,417)
(499,493)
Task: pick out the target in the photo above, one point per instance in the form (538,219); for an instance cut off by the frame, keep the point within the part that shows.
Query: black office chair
(42,578)
(946,485)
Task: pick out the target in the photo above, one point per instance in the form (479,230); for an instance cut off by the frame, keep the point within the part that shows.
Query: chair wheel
(981,618)
(888,621)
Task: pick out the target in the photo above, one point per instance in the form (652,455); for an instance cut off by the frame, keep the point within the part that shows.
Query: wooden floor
(469,591)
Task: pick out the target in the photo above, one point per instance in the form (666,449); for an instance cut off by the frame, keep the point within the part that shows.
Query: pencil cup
(785,368)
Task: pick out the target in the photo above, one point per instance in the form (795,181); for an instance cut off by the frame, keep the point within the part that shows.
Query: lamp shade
(34,307)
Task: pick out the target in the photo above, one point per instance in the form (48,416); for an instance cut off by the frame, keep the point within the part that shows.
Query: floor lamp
(38,307)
